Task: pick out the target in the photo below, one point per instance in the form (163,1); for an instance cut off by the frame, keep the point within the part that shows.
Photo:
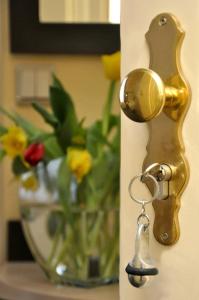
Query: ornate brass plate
(165,144)
(161,96)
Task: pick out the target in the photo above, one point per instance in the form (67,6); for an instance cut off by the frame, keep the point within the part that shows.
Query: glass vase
(76,244)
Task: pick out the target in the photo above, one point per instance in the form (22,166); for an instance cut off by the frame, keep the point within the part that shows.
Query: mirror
(79,11)
(61,38)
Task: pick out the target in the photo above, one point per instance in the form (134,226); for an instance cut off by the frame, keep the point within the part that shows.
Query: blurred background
(25,76)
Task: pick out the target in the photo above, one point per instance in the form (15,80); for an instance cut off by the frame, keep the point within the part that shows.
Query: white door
(178,265)
(2,221)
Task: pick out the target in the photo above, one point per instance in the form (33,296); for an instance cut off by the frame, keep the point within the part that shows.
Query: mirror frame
(29,36)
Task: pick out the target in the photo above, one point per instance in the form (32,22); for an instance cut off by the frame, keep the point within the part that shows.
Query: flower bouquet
(69,186)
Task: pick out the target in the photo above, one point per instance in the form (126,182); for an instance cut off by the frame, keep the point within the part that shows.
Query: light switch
(32,83)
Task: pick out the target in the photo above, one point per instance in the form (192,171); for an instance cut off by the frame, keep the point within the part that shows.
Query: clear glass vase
(78,246)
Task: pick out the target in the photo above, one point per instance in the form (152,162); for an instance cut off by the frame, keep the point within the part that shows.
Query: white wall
(178,265)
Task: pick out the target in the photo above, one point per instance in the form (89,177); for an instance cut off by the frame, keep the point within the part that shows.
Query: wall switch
(32,83)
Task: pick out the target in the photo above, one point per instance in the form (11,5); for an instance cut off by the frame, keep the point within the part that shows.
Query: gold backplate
(165,144)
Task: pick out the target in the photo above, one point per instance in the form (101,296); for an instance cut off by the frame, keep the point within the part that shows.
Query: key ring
(156,192)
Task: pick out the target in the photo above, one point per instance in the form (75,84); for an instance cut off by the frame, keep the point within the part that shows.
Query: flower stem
(108,108)
(96,229)
(55,244)
(65,247)
(112,258)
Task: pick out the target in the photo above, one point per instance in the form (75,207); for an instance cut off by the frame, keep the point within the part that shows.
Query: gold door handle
(160,96)
(143,95)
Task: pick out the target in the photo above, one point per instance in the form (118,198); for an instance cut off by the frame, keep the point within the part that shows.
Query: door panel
(2,221)
(177,264)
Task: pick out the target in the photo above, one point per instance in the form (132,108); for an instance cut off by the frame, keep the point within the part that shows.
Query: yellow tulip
(112,65)
(79,162)
(14,142)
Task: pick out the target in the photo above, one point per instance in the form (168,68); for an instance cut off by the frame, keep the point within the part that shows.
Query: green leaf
(48,118)
(61,104)
(114,121)
(66,132)
(56,82)
(107,162)
(40,138)
(3,130)
(7,114)
(95,139)
(63,183)
(2,154)
(97,188)
(64,111)
(114,133)
(52,148)
(116,142)
(116,139)
(82,121)
(79,137)
(18,166)
(108,107)
(92,143)
(27,126)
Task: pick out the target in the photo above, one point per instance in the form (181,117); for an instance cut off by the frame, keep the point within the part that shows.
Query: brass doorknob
(143,95)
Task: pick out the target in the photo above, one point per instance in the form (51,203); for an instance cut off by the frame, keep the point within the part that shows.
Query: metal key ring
(156,192)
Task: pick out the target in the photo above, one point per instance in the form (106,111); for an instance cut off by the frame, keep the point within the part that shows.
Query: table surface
(25,281)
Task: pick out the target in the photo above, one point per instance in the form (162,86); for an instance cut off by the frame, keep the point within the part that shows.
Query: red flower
(34,154)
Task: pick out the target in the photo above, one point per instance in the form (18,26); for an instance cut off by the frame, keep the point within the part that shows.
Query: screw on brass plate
(163,21)
(164,236)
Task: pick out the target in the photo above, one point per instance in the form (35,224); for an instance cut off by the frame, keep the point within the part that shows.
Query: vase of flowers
(69,186)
